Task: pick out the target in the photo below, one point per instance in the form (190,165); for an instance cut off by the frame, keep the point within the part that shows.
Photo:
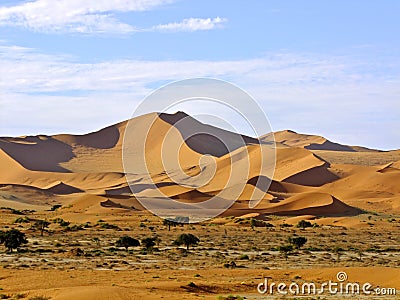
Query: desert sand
(334,186)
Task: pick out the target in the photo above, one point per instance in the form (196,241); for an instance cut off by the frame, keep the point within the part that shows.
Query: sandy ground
(350,194)
(156,284)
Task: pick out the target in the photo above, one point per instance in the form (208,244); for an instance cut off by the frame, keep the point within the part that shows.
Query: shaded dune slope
(87,170)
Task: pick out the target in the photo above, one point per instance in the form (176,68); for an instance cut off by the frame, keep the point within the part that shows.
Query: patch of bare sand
(167,284)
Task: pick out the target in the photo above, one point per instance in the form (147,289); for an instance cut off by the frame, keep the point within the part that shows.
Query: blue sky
(322,67)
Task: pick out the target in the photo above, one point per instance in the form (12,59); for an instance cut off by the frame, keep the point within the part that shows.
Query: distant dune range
(85,174)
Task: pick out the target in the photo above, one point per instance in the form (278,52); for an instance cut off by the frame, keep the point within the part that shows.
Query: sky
(330,68)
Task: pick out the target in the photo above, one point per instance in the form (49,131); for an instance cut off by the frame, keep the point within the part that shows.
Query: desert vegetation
(138,242)
(323,211)
(229,239)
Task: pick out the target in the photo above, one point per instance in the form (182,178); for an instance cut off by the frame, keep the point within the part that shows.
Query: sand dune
(370,188)
(340,188)
(192,162)
(312,203)
(396,164)
(63,189)
(208,139)
(24,197)
(38,153)
(312,142)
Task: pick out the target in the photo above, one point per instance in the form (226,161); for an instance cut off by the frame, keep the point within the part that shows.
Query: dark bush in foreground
(126,242)
(12,239)
(285,250)
(304,224)
(297,241)
(187,239)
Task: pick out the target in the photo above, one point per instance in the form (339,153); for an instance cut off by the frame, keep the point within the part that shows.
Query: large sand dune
(313,142)
(313,175)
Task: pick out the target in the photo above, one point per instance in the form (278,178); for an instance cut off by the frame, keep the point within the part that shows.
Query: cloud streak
(336,96)
(92,17)
(192,24)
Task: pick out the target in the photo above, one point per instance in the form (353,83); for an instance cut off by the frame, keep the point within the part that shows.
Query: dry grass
(225,241)
(358,158)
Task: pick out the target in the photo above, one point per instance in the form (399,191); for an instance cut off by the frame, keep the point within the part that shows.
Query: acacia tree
(285,250)
(12,239)
(126,242)
(253,223)
(149,242)
(169,223)
(304,224)
(297,241)
(187,239)
(41,225)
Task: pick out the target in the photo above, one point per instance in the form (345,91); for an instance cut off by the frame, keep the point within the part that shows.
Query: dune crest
(313,176)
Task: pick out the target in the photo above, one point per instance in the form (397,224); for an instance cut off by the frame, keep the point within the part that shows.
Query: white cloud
(329,95)
(192,24)
(73,15)
(92,17)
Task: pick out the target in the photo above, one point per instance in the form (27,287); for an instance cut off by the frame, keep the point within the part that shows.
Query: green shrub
(126,242)
(55,207)
(22,220)
(12,239)
(297,241)
(244,256)
(187,239)
(304,224)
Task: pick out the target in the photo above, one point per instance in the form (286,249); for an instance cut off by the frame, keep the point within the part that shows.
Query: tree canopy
(187,239)
(12,239)
(126,242)
(298,241)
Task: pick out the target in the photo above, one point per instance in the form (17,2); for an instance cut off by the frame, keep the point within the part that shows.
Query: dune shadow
(38,153)
(206,139)
(103,139)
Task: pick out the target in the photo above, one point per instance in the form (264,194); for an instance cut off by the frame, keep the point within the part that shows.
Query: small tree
(304,224)
(169,223)
(253,223)
(55,207)
(148,243)
(187,239)
(126,242)
(285,250)
(41,225)
(12,239)
(297,241)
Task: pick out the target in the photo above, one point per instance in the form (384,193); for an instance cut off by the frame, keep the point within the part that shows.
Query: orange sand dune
(371,188)
(24,197)
(396,164)
(312,203)
(185,161)
(312,142)
(13,173)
